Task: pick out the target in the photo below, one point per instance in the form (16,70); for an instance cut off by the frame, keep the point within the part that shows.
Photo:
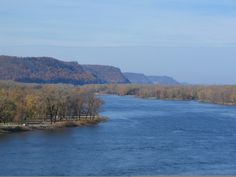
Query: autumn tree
(7,110)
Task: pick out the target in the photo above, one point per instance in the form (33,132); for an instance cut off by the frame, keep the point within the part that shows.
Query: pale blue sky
(191,40)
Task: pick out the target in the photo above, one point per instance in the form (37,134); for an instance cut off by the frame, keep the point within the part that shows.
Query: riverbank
(13,128)
(215,94)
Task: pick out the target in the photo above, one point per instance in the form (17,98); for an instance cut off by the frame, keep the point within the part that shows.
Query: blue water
(142,137)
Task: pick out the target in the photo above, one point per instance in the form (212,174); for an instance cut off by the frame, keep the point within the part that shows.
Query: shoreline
(169,99)
(15,128)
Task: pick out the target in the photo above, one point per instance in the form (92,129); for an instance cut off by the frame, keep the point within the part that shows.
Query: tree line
(28,102)
(212,94)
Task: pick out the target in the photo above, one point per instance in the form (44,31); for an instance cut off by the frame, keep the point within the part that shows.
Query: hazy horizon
(192,41)
(186,65)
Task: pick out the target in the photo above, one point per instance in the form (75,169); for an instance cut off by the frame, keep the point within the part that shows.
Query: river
(142,137)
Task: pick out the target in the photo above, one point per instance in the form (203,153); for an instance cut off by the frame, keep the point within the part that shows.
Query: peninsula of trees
(31,104)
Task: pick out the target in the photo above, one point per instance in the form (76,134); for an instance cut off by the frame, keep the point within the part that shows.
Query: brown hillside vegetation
(45,70)
(107,74)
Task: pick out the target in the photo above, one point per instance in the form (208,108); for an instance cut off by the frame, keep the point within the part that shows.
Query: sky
(193,41)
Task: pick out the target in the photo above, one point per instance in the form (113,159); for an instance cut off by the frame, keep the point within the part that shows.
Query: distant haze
(193,65)
(193,41)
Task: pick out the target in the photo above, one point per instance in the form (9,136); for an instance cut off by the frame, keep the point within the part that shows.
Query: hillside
(163,80)
(51,70)
(107,74)
(138,78)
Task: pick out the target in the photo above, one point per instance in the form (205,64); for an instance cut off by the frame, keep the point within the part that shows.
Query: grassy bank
(12,128)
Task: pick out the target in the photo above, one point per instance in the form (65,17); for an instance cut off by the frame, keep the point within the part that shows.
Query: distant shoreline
(169,99)
(14,128)
(221,95)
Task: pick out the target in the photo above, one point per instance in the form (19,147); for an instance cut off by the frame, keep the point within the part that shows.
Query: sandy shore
(11,128)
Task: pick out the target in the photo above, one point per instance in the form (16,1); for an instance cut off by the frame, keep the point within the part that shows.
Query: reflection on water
(142,137)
